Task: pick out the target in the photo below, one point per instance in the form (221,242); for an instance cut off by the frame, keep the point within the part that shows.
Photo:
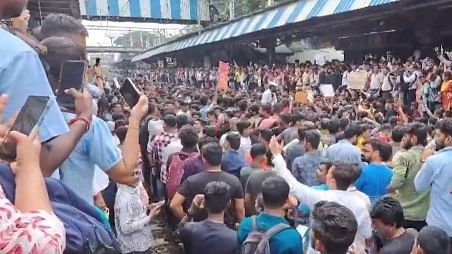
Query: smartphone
(97,61)
(27,122)
(71,76)
(129,92)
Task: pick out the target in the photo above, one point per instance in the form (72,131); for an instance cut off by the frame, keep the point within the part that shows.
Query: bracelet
(83,119)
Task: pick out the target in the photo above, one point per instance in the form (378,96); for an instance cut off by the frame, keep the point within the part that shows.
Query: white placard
(327,90)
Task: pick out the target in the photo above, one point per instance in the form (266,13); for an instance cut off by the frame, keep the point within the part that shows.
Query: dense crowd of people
(273,164)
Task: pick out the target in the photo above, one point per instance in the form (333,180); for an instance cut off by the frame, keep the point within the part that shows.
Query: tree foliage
(242,7)
(137,39)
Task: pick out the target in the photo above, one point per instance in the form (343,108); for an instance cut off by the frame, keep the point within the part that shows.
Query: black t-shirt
(400,245)
(255,180)
(253,187)
(195,185)
(208,237)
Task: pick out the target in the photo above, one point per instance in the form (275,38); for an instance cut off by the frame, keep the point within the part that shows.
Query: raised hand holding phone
(129,92)
(83,103)
(28,150)
(27,122)
(71,77)
(140,109)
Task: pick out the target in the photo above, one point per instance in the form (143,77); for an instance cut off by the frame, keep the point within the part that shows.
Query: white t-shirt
(345,78)
(376,79)
(387,86)
(310,197)
(245,147)
(267,97)
(173,147)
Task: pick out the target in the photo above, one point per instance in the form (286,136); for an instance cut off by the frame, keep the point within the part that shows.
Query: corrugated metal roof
(289,13)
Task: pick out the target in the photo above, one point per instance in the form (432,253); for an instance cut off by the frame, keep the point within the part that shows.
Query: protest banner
(357,80)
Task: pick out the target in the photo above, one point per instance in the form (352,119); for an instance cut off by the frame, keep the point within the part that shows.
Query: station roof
(288,13)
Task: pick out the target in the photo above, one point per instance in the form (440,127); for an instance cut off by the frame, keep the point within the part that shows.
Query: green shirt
(407,164)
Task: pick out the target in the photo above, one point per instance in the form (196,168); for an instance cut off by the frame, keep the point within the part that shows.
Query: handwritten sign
(357,80)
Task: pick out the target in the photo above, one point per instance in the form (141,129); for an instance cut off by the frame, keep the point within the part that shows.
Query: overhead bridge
(113,50)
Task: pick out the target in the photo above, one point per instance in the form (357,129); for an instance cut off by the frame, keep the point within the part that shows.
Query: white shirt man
(267,96)
(245,146)
(310,197)
(376,80)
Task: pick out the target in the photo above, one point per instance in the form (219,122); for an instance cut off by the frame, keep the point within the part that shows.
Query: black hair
(334,226)
(420,131)
(257,150)
(266,134)
(385,150)
(233,140)
(118,116)
(445,127)
(206,140)
(212,153)
(344,174)
(204,100)
(170,120)
(325,123)
(188,136)
(393,120)
(275,192)
(389,211)
(397,134)
(312,137)
(297,116)
(242,125)
(352,131)
(217,196)
(301,132)
(181,120)
(277,108)
(286,118)
(243,105)
(59,24)
(121,133)
(120,122)
(210,131)
(266,108)
(343,123)
(254,109)
(433,240)
(60,50)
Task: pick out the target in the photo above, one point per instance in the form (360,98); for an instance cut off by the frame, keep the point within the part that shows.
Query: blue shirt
(304,168)
(232,162)
(22,75)
(374,180)
(96,147)
(287,241)
(436,175)
(292,151)
(204,111)
(343,151)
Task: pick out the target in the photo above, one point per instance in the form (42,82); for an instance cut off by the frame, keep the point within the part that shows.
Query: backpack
(85,232)
(258,242)
(176,171)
